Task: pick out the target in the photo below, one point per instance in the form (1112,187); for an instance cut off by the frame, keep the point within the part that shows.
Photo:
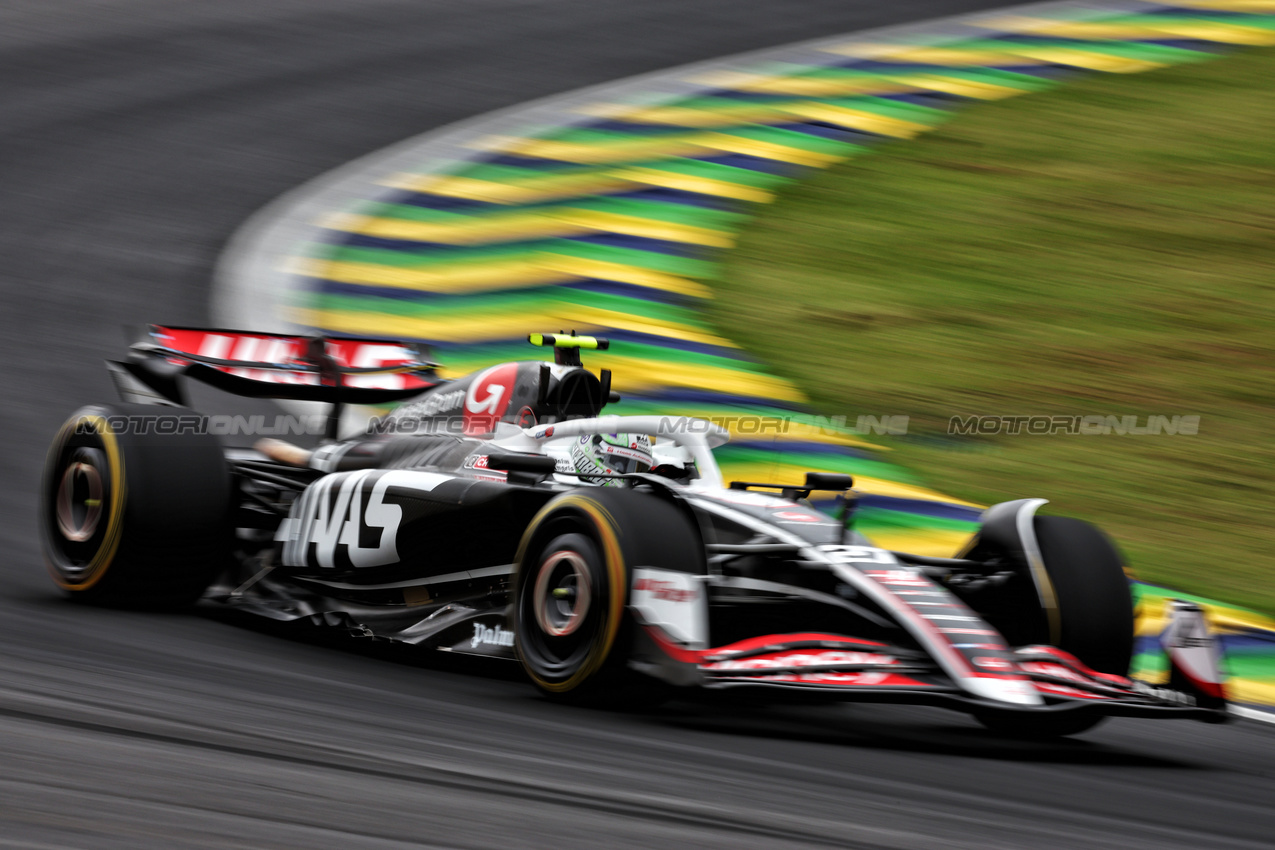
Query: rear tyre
(135,506)
(1093,619)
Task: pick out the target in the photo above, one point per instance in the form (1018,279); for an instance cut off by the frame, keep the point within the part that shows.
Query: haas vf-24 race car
(502,514)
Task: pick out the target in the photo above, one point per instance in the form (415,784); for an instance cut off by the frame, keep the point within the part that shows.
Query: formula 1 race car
(502,515)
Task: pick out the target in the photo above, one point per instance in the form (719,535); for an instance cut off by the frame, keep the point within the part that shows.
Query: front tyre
(569,598)
(134,507)
(1095,605)
(567,630)
(575,568)
(1092,618)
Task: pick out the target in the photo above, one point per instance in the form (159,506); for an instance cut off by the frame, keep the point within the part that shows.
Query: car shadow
(905,729)
(393,652)
(910,729)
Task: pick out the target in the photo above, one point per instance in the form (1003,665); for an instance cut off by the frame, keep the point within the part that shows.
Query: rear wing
(336,370)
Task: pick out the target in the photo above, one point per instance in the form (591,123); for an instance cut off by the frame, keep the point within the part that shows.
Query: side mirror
(828,481)
(522,463)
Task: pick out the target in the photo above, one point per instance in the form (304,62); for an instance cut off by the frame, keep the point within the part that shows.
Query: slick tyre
(567,619)
(135,506)
(571,591)
(1095,605)
(1092,617)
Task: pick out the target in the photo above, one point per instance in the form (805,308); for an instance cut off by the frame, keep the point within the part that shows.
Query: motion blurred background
(1105,248)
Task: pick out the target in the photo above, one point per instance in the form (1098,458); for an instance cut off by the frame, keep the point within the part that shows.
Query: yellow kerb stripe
(1017,54)
(1099,30)
(601,152)
(461,277)
(922,54)
(1251,691)
(608,222)
(770,150)
(496,325)
(536,269)
(932,542)
(529,191)
(858,119)
(1255,6)
(471,231)
(684,116)
(962,87)
(691,183)
(584,267)
(1090,60)
(519,227)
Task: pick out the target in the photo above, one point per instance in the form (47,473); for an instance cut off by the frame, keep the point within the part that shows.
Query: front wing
(841,667)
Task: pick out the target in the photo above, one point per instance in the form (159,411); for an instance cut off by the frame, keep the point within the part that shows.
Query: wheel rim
(560,610)
(562,593)
(82,502)
(79,512)
(78,507)
(578,524)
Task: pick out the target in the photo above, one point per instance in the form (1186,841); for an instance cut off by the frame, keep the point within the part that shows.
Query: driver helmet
(610,454)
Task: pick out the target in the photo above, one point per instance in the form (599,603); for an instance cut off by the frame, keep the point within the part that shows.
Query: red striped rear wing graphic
(325,368)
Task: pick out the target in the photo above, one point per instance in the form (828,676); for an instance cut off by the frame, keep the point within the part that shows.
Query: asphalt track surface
(134,137)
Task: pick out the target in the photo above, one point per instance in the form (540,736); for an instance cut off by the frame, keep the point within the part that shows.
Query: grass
(1104,248)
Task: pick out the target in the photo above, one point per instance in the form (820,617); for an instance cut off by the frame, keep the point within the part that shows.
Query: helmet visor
(624,465)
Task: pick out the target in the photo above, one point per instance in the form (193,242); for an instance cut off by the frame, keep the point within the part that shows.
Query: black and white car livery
(459,523)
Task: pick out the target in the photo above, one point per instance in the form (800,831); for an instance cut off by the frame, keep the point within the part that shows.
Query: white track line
(1252,713)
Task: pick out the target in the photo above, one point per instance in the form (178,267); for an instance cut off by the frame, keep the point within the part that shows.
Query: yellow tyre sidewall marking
(101,561)
(607,534)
